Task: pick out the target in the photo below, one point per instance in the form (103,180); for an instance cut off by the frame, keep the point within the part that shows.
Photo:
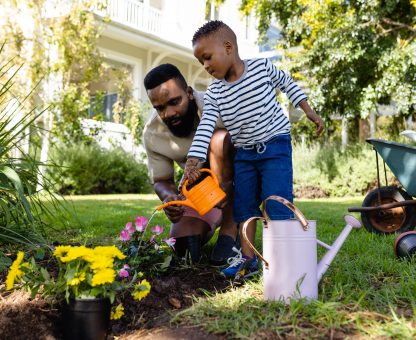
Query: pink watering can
(290,266)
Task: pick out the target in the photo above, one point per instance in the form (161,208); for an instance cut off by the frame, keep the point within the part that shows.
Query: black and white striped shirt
(248,107)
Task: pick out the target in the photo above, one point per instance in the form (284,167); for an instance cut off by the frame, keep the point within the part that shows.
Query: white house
(142,34)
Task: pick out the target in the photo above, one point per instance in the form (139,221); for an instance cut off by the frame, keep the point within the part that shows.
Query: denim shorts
(260,171)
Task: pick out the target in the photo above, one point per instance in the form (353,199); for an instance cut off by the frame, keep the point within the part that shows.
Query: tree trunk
(344,132)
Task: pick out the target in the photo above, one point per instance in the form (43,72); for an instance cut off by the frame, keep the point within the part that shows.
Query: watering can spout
(351,223)
(188,203)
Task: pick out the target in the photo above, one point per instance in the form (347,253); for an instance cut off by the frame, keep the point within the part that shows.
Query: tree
(355,54)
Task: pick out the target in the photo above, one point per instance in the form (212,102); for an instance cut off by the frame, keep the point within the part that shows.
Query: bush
(89,169)
(336,172)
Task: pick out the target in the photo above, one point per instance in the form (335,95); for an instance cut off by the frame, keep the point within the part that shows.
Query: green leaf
(166,262)
(5,262)
(45,274)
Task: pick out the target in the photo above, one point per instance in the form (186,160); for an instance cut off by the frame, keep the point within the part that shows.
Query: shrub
(336,172)
(89,169)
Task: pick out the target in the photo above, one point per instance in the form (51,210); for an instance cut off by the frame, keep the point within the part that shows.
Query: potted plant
(88,279)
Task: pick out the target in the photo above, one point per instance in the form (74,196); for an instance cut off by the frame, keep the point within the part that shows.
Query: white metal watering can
(290,268)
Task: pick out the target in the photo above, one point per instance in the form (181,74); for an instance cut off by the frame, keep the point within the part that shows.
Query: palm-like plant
(21,206)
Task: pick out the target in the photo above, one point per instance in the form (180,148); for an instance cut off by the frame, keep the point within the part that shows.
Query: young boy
(244,97)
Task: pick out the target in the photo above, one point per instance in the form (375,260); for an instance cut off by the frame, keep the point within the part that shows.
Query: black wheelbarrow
(390,209)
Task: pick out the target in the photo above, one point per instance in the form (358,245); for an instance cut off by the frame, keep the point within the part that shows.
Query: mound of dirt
(23,318)
(309,191)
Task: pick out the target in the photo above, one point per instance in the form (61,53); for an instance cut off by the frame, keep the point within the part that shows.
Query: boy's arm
(198,152)
(311,114)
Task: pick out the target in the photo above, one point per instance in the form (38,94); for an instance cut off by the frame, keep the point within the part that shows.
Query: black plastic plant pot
(405,245)
(86,319)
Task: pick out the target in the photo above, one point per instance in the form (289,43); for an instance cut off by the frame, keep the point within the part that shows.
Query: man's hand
(191,171)
(173,212)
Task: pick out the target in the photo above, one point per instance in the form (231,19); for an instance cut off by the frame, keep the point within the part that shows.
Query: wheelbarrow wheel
(387,221)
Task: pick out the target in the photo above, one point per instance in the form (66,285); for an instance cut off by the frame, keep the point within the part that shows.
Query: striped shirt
(248,107)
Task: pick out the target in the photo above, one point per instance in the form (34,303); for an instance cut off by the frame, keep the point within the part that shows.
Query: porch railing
(135,14)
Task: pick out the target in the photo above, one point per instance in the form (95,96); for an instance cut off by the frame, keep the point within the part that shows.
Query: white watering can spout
(351,223)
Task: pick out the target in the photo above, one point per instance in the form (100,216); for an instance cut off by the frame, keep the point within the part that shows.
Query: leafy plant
(89,169)
(152,253)
(82,273)
(21,204)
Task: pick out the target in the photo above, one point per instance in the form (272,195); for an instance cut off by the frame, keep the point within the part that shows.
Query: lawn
(367,292)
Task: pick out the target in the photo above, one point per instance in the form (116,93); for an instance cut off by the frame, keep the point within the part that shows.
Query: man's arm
(167,191)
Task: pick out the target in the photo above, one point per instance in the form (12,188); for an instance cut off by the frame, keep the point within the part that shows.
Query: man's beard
(186,125)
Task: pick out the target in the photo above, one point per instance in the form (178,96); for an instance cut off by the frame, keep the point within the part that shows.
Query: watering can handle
(185,192)
(300,217)
(244,234)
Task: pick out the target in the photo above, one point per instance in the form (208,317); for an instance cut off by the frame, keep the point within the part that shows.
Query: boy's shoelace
(236,260)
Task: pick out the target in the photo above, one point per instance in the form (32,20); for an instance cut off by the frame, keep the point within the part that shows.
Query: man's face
(175,106)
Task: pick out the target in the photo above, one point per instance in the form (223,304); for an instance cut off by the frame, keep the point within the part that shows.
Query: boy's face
(214,55)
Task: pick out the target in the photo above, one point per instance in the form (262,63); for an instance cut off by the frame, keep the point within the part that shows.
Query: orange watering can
(203,196)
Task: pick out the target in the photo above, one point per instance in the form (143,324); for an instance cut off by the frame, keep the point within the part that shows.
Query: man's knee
(221,145)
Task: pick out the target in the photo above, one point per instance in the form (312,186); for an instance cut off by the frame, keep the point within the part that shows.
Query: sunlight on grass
(366,293)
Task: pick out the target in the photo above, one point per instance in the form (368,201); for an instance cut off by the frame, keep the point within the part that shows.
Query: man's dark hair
(211,27)
(161,74)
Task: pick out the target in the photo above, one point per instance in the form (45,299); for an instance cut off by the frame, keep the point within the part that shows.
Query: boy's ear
(228,47)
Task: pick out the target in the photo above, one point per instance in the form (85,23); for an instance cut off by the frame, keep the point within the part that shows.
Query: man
(167,137)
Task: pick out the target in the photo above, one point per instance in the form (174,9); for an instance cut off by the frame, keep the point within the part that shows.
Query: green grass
(367,292)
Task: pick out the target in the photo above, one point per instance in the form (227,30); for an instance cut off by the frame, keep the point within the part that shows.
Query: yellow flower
(14,272)
(77,279)
(101,262)
(106,275)
(118,313)
(109,251)
(61,251)
(76,253)
(141,290)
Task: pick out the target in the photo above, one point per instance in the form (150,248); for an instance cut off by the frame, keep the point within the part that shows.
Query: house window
(101,106)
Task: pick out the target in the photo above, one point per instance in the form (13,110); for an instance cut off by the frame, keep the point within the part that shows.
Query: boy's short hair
(161,74)
(213,27)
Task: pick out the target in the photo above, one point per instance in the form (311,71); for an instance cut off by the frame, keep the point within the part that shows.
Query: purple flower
(141,223)
(170,242)
(157,229)
(129,227)
(124,235)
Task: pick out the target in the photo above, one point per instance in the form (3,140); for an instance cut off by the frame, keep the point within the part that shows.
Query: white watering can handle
(300,217)
(244,234)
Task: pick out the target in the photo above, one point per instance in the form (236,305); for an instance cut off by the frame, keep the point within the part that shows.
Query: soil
(23,318)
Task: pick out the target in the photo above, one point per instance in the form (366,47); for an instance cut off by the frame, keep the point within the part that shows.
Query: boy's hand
(311,114)
(191,171)
(317,121)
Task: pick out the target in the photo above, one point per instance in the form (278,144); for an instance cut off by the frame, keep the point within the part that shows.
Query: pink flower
(124,235)
(170,242)
(141,223)
(152,238)
(129,227)
(157,229)
(123,273)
